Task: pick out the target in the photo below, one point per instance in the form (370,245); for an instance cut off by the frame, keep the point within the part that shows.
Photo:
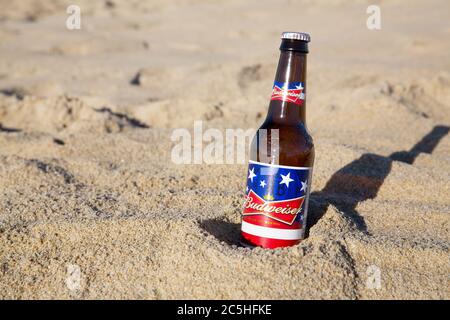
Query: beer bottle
(281,158)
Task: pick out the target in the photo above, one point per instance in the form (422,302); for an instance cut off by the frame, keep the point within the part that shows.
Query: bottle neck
(287,103)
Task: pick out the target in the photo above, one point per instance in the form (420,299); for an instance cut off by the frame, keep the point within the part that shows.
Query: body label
(288,91)
(276,201)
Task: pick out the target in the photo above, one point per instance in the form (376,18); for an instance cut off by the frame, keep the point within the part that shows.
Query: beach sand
(91,205)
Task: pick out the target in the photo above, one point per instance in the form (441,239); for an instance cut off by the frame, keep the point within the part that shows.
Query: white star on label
(286,179)
(262,183)
(251,174)
(304,185)
(300,86)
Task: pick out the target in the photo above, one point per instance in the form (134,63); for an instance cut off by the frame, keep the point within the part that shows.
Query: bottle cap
(302,36)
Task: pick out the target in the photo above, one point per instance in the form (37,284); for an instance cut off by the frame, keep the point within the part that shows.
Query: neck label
(292,92)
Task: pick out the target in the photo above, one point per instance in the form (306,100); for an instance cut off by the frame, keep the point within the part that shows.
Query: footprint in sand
(249,74)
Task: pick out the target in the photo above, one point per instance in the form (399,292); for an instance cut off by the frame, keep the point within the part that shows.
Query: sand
(91,205)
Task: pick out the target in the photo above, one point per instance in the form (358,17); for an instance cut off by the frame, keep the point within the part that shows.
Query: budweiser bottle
(281,158)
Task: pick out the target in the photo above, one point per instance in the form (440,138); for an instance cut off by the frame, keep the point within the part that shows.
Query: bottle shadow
(361,180)
(358,181)
(224,231)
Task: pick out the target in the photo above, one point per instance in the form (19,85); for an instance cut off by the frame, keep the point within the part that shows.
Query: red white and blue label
(292,92)
(275,205)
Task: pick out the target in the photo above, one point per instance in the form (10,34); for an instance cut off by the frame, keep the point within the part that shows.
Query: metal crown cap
(302,36)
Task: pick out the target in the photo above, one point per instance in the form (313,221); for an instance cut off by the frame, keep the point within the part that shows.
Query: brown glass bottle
(282,141)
